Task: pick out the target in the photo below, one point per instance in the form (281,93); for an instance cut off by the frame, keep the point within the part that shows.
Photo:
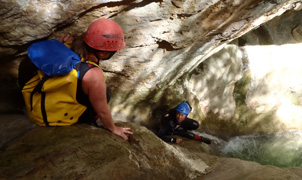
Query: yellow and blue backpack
(50,96)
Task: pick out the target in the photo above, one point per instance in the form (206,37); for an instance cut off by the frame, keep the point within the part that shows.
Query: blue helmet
(183,107)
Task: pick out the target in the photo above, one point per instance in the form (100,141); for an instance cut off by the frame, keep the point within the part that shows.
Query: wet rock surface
(169,45)
(175,50)
(89,152)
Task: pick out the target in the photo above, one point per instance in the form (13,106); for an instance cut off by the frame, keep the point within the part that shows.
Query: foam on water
(283,149)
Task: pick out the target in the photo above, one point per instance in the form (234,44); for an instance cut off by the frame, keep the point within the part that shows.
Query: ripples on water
(282,149)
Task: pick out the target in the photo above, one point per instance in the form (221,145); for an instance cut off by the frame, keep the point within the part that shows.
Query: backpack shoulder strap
(38,88)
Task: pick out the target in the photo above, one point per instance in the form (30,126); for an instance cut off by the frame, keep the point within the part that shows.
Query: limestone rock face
(87,152)
(168,56)
(268,92)
(210,53)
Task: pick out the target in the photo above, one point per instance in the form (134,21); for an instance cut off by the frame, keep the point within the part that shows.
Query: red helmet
(105,35)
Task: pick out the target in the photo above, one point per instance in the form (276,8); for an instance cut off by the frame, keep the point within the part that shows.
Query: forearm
(163,135)
(106,119)
(94,86)
(184,133)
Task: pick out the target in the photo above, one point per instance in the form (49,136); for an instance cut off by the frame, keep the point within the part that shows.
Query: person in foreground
(176,122)
(56,98)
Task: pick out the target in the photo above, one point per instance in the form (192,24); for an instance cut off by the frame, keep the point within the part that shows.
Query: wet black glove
(205,140)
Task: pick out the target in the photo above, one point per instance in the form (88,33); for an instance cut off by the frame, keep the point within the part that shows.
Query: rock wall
(87,152)
(175,50)
(265,96)
(167,41)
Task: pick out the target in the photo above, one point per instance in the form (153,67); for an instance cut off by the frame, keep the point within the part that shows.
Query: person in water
(176,122)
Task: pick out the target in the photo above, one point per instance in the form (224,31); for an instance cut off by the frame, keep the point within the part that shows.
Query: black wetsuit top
(169,127)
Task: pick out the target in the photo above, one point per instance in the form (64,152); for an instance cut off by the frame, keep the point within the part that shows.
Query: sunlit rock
(167,46)
(88,152)
(175,50)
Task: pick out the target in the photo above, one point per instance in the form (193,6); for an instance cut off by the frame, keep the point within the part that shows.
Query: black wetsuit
(169,127)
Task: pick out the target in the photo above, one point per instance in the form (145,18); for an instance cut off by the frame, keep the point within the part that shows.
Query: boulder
(88,152)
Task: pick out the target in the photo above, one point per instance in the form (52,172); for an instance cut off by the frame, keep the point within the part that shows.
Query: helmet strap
(93,52)
(97,57)
(111,54)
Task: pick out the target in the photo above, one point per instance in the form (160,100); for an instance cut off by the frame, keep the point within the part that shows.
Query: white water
(282,149)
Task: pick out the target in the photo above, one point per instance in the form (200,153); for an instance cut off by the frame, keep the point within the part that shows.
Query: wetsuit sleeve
(164,132)
(190,124)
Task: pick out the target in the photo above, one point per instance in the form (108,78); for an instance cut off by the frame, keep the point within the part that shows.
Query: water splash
(216,143)
(282,149)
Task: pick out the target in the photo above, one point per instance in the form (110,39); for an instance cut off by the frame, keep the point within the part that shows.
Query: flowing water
(282,149)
